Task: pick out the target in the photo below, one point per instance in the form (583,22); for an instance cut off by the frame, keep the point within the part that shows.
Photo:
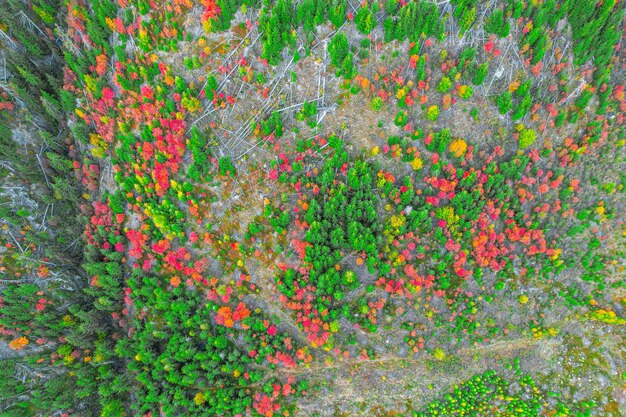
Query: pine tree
(504,102)
(338,48)
(364,20)
(347,67)
(337,12)
(498,24)
(480,73)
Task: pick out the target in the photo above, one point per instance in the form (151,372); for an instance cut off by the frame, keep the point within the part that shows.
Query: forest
(316,208)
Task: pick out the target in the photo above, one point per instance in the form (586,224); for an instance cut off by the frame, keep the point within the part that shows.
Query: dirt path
(357,386)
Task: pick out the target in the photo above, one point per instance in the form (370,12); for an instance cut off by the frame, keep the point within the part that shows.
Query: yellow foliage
(401,93)
(207,25)
(600,208)
(417,164)
(98,152)
(607,316)
(397,221)
(90,82)
(458,147)
(439,354)
(199,398)
(375,150)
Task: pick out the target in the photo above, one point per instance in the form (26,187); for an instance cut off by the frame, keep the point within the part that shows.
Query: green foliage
(444,85)
(226,166)
(273,124)
(480,73)
(415,20)
(337,12)
(504,102)
(276,23)
(364,20)
(466,18)
(497,23)
(488,393)
(440,141)
(432,113)
(527,137)
(338,49)
(377,103)
(523,107)
(347,67)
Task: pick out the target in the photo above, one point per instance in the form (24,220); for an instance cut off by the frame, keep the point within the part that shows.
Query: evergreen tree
(480,73)
(504,102)
(364,20)
(338,48)
(497,23)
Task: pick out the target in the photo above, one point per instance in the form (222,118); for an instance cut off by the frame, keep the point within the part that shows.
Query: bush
(338,48)
(444,85)
(432,113)
(364,20)
(480,74)
(376,104)
(504,102)
(527,137)
(498,24)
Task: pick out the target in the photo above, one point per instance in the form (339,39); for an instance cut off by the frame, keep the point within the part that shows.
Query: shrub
(444,85)
(465,92)
(504,102)
(376,104)
(527,137)
(480,74)
(432,113)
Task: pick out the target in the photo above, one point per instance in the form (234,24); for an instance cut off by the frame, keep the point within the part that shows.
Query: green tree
(527,137)
(504,102)
(444,85)
(497,23)
(347,67)
(480,73)
(364,20)
(338,48)
(337,12)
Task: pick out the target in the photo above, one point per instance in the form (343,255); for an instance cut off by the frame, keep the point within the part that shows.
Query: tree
(523,107)
(527,137)
(504,102)
(364,20)
(444,85)
(338,48)
(467,18)
(480,73)
(497,23)
(432,113)
(337,12)
(347,67)
(377,103)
